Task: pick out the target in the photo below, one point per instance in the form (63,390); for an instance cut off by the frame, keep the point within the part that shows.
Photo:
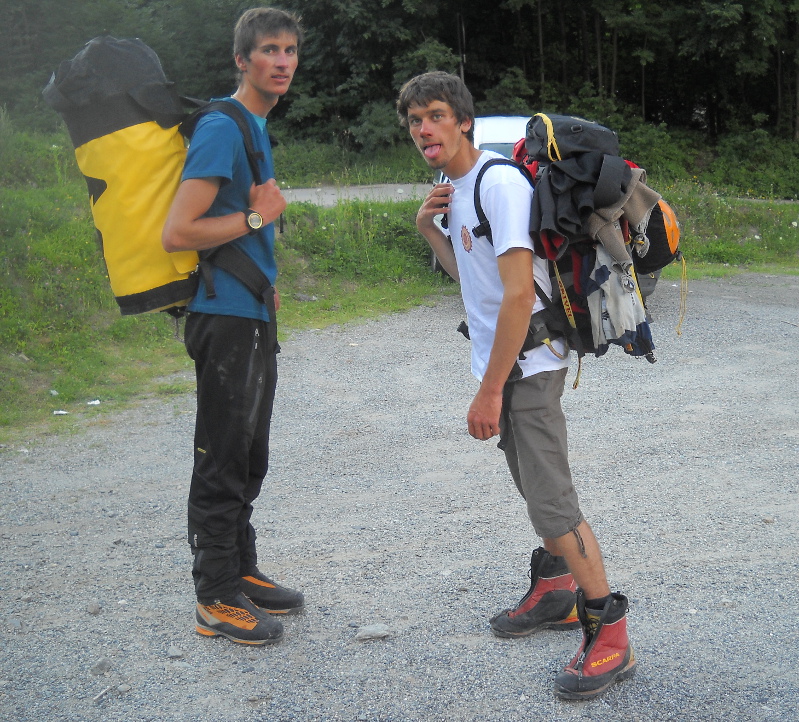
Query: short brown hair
(263,22)
(437,85)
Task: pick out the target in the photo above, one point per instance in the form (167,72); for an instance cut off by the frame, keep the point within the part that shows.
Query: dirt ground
(382,509)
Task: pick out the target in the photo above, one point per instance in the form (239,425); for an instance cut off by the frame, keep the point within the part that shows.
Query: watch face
(255,221)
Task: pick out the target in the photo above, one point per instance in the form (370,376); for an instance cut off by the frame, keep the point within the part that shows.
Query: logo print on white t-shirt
(466,238)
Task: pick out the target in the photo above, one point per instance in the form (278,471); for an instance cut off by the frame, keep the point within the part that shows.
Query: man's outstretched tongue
(431,151)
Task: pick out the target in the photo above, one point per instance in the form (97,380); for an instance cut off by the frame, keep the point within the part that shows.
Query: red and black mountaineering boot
(604,657)
(549,603)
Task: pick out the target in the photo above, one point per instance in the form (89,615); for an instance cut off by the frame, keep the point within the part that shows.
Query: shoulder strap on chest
(483,228)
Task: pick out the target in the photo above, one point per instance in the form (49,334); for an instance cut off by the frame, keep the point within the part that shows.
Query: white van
(499,132)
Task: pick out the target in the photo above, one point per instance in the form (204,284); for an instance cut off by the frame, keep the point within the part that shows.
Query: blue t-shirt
(217,150)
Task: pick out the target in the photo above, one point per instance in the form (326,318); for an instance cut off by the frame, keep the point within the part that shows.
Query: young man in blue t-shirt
(231,336)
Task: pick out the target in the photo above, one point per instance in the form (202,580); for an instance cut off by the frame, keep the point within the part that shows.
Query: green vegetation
(715,66)
(308,164)
(60,330)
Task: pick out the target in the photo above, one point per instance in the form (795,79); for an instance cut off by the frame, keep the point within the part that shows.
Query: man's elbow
(521,294)
(171,240)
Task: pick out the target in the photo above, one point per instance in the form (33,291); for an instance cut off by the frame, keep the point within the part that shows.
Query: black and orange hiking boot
(550,603)
(605,655)
(239,620)
(270,596)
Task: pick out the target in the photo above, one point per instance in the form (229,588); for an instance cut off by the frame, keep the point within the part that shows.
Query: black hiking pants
(236,365)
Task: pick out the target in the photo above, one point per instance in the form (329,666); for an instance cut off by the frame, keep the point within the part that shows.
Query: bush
(377,127)
(665,154)
(757,164)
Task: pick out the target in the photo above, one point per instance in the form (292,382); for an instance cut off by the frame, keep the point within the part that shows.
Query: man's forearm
(512,324)
(442,247)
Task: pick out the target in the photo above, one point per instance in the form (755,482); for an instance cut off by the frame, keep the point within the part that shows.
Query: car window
(505,149)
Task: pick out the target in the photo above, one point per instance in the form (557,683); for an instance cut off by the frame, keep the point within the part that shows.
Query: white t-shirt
(506,197)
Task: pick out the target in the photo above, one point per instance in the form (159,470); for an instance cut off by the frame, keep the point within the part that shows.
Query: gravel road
(331,195)
(385,512)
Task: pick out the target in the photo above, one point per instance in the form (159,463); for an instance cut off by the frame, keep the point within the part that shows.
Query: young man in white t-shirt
(568,587)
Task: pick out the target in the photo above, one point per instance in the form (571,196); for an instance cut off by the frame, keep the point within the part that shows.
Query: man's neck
(461,165)
(255,102)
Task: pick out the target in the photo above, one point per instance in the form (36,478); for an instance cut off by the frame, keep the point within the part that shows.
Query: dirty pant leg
(534,430)
(236,367)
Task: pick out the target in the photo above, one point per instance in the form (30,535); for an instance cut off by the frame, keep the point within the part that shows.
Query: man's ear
(466,125)
(241,63)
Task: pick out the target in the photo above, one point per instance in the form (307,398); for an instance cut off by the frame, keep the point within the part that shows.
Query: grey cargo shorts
(533,431)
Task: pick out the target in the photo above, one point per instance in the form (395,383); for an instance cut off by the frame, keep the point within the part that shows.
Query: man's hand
(483,416)
(267,200)
(436,203)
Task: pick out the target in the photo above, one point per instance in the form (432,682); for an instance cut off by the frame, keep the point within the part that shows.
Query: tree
(38,34)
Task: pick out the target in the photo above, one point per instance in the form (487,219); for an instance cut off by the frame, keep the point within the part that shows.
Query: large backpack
(129,128)
(575,167)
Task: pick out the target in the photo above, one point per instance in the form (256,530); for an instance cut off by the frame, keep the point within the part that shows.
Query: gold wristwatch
(254,220)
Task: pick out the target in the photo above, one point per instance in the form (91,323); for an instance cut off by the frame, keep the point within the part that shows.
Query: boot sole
(626,673)
(504,634)
(290,610)
(208,632)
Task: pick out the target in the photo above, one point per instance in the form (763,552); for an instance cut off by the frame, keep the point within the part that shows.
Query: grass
(311,164)
(63,343)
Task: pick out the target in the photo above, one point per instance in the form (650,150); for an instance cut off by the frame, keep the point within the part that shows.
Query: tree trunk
(541,47)
(643,92)
(584,37)
(796,86)
(461,44)
(778,80)
(564,46)
(598,38)
(796,96)
(614,62)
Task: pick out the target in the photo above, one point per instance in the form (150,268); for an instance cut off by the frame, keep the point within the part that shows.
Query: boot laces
(589,629)
(591,625)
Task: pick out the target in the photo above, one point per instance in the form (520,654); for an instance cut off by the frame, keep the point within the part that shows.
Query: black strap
(507,397)
(483,228)
(239,264)
(236,262)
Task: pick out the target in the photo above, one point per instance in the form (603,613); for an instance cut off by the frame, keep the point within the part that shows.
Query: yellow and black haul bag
(123,116)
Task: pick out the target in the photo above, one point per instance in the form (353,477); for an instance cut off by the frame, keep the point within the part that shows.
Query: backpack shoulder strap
(239,264)
(228,257)
(483,228)
(254,156)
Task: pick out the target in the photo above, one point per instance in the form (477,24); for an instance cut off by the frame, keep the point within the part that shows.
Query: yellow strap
(564,297)
(567,307)
(634,274)
(579,371)
(552,145)
(548,343)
